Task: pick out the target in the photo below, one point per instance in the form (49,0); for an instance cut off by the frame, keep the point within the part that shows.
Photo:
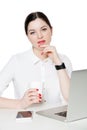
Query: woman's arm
(31,96)
(9,103)
(64,81)
(63,76)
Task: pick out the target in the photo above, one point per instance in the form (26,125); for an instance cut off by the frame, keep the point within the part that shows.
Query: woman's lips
(41,42)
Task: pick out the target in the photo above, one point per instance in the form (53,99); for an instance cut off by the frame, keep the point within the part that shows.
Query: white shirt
(26,67)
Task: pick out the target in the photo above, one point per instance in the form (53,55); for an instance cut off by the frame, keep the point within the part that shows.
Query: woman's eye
(32,33)
(44,29)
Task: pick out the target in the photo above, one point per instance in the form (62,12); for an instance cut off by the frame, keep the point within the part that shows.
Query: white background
(69,21)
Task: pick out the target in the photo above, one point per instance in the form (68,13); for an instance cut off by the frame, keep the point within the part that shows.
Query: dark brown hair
(34,15)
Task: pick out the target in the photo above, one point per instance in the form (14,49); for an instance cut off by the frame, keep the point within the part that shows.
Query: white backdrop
(69,21)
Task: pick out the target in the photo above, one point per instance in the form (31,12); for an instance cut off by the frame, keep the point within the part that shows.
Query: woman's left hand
(51,52)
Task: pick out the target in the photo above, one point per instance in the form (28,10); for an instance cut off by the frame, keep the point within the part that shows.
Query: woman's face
(39,33)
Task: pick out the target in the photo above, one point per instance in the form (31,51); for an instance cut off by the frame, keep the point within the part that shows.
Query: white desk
(42,123)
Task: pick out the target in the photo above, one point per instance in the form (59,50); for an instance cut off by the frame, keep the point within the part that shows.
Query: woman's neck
(39,54)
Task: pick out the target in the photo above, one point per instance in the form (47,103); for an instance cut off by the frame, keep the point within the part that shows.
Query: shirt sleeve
(7,74)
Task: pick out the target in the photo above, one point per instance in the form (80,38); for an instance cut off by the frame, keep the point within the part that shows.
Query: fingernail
(39,95)
(37,89)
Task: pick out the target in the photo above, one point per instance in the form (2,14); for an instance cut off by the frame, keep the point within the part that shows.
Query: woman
(41,63)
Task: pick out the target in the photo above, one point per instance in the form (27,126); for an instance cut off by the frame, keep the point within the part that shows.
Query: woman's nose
(40,35)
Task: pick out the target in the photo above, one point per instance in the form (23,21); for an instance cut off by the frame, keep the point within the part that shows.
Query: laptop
(77,104)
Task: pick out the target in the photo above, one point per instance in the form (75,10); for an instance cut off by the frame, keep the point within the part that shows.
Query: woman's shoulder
(22,55)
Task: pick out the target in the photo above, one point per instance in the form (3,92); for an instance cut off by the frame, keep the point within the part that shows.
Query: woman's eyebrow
(31,30)
(43,26)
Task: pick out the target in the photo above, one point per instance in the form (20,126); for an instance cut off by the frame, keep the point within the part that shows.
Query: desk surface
(42,123)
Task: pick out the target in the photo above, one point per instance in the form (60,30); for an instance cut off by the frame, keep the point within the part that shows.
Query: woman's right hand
(30,97)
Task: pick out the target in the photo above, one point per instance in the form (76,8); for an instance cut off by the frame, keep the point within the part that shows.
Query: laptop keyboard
(64,113)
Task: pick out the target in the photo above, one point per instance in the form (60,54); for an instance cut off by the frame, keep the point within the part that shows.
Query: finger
(35,100)
(31,90)
(30,94)
(38,97)
(47,50)
(43,46)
